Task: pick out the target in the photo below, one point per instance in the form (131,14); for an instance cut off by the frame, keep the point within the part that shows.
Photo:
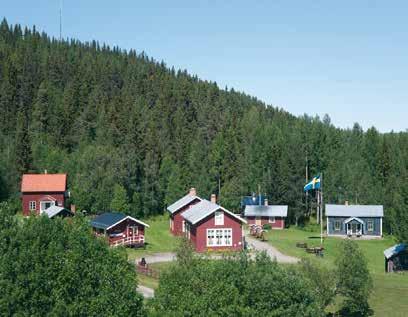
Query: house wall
(27,197)
(199,238)
(343,231)
(123,228)
(178,219)
(279,222)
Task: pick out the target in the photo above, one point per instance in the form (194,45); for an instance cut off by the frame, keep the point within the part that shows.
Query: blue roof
(253,200)
(107,219)
(390,252)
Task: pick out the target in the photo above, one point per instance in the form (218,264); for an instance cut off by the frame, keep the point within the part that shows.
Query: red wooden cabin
(120,229)
(177,208)
(211,227)
(41,191)
(266,214)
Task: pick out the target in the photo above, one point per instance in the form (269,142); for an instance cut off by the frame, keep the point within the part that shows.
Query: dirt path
(270,250)
(145,291)
(158,257)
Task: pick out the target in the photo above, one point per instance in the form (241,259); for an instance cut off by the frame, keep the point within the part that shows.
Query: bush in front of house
(234,286)
(267,226)
(55,267)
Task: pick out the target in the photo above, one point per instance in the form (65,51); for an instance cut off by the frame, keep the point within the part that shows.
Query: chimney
(346,203)
(192,192)
(73,208)
(266,201)
(213,198)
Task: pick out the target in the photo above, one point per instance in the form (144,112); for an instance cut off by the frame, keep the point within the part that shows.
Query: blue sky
(348,59)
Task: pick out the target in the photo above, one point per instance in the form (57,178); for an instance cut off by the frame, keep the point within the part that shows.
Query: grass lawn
(389,290)
(158,238)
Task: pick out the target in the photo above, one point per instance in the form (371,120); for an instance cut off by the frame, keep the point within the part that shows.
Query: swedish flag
(313,184)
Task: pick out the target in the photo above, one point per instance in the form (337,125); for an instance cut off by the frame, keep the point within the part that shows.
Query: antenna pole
(60,24)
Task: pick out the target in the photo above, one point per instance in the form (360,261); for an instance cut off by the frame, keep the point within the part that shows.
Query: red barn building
(120,229)
(177,208)
(211,227)
(273,215)
(41,191)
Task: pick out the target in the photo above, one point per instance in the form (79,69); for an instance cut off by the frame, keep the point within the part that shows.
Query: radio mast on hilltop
(60,22)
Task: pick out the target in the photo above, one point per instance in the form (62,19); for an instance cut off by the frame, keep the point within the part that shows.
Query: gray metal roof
(388,253)
(55,210)
(181,203)
(354,211)
(203,209)
(266,211)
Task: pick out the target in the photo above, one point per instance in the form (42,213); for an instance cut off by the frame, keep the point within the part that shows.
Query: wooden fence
(145,270)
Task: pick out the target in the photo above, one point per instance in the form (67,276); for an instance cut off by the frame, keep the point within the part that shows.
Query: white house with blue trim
(354,220)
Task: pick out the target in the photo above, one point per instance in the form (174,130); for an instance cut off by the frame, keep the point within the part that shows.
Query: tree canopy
(56,267)
(234,286)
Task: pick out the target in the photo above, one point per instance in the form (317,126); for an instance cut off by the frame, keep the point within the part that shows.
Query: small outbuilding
(396,258)
(57,211)
(274,215)
(120,229)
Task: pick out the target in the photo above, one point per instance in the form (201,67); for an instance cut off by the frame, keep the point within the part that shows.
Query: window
(33,205)
(187,229)
(183,226)
(219,237)
(337,225)
(370,225)
(227,237)
(271,219)
(219,218)
(210,237)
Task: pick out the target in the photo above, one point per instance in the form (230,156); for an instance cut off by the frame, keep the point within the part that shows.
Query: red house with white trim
(211,227)
(41,191)
(120,229)
(274,215)
(177,208)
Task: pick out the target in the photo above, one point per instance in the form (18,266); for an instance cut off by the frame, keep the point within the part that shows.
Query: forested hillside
(130,130)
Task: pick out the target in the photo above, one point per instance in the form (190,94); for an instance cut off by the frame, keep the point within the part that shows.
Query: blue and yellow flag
(313,184)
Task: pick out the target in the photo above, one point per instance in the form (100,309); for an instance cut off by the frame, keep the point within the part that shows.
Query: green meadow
(390,290)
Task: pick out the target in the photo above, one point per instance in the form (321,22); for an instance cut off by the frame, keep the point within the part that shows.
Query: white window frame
(219,218)
(219,237)
(272,220)
(337,225)
(370,225)
(52,203)
(32,205)
(183,226)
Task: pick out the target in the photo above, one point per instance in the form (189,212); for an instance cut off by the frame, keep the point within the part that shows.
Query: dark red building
(120,229)
(41,191)
(211,227)
(274,215)
(177,208)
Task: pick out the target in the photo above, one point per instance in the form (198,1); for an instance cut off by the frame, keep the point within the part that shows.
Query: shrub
(55,267)
(267,226)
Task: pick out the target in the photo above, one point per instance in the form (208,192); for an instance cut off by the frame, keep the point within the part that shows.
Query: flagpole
(321,208)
